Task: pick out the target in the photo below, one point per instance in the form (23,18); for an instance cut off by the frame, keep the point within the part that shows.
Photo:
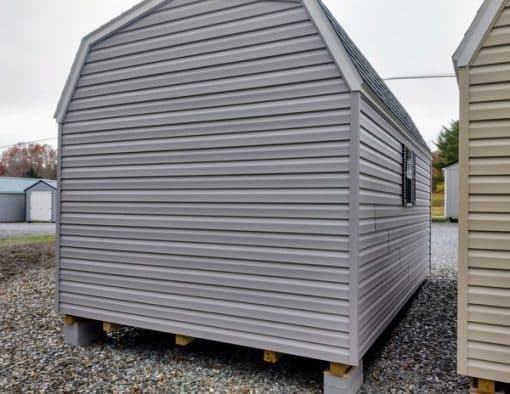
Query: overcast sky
(400,37)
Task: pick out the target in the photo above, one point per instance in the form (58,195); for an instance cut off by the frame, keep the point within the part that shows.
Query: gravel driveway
(415,355)
(12,230)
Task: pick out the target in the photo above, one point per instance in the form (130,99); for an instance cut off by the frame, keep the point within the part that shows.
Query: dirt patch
(16,260)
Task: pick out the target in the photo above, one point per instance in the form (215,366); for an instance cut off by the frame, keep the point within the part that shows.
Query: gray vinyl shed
(237,171)
(12,198)
(41,201)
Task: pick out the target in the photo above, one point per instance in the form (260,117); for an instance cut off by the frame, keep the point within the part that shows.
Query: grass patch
(437,199)
(437,211)
(437,205)
(32,239)
(439,219)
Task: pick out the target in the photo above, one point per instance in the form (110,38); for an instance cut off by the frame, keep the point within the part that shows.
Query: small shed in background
(12,198)
(451,190)
(41,201)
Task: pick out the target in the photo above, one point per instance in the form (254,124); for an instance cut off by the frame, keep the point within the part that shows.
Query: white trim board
(136,12)
(337,50)
(477,32)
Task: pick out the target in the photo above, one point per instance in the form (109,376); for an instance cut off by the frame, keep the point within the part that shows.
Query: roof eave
(376,100)
(477,33)
(129,16)
(342,59)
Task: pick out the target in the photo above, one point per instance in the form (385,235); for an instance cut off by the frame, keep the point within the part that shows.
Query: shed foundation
(347,384)
(83,332)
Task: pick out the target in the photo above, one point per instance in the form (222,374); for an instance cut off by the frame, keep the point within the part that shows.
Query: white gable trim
(336,48)
(138,11)
(341,57)
(477,32)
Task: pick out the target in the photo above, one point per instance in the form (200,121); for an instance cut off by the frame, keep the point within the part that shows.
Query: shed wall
(394,241)
(12,207)
(484,264)
(451,191)
(205,180)
(41,187)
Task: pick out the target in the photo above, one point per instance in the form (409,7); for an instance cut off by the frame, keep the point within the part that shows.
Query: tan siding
(484,264)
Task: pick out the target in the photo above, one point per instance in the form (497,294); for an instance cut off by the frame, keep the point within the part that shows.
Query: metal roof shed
(12,198)
(41,201)
(237,171)
(482,63)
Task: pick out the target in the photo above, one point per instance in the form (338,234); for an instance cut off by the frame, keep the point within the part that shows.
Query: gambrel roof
(357,70)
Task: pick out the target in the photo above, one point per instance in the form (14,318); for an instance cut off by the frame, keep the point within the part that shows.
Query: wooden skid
(340,370)
(183,340)
(271,357)
(486,386)
(70,320)
(110,327)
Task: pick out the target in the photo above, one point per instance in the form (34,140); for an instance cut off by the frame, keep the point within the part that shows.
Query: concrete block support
(83,332)
(347,384)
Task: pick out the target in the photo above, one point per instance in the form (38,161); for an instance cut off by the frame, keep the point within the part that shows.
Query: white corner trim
(477,32)
(102,32)
(337,50)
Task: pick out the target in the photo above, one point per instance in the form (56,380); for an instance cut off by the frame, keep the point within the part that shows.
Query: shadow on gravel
(417,352)
(290,374)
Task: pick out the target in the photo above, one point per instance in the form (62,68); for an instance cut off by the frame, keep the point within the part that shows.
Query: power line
(395,78)
(424,76)
(30,142)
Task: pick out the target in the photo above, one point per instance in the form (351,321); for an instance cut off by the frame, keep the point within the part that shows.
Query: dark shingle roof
(372,79)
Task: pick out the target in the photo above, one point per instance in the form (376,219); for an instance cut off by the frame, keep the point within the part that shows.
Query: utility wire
(30,142)
(424,76)
(396,78)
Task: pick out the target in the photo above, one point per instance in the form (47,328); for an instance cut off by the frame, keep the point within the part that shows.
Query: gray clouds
(400,37)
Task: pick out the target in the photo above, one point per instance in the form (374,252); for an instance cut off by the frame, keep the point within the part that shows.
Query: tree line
(40,161)
(446,153)
(29,161)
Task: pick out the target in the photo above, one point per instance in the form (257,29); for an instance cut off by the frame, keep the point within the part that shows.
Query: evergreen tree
(447,152)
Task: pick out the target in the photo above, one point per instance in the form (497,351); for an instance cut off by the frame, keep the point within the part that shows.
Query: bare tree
(29,160)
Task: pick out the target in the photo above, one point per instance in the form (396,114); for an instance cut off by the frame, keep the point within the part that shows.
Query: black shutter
(404,175)
(413,188)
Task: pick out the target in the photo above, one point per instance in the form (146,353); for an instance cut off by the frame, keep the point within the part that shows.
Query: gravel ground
(11,230)
(415,355)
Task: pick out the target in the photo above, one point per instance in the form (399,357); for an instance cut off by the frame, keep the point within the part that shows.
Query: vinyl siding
(484,292)
(205,180)
(394,241)
(12,207)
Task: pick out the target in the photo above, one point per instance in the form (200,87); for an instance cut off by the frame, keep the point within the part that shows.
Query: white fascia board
(477,32)
(333,43)
(136,12)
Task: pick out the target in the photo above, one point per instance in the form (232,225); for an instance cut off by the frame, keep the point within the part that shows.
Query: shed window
(409,177)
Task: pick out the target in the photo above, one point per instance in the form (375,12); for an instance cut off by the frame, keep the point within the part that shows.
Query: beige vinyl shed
(482,64)
(237,171)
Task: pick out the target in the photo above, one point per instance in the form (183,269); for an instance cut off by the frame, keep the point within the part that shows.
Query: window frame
(408,177)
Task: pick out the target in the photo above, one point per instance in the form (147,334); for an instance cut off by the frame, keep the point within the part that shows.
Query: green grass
(439,219)
(437,205)
(33,239)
